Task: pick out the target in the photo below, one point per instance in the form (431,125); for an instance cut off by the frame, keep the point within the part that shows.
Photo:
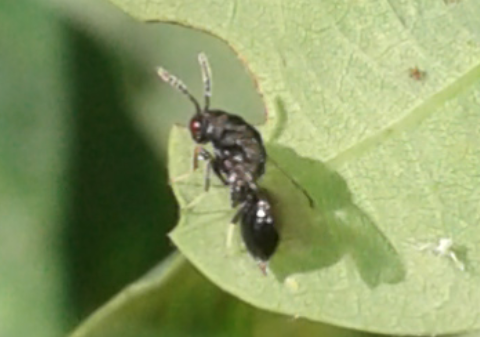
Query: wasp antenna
(206,77)
(179,85)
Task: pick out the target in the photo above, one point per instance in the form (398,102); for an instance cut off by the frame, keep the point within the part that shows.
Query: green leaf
(373,165)
(175,300)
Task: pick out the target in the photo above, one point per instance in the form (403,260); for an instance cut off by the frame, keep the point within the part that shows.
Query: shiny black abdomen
(259,233)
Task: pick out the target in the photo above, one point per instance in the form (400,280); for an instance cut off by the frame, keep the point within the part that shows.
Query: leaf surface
(373,108)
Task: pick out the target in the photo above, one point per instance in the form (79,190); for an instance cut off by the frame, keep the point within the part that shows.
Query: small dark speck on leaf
(417,74)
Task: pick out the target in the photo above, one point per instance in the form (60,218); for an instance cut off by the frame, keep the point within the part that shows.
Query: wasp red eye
(195,126)
(196,129)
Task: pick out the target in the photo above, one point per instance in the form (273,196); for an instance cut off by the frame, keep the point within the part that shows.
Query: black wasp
(238,160)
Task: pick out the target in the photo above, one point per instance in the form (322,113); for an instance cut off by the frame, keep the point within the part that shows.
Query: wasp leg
(199,153)
(231,227)
(206,179)
(216,166)
(238,195)
(242,209)
(202,154)
(230,230)
(213,163)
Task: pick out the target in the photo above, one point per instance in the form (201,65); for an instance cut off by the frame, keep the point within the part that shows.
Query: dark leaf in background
(121,204)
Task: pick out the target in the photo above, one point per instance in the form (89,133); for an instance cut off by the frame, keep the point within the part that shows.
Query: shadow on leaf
(319,222)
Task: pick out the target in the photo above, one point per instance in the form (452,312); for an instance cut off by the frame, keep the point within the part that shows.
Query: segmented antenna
(206,77)
(179,85)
